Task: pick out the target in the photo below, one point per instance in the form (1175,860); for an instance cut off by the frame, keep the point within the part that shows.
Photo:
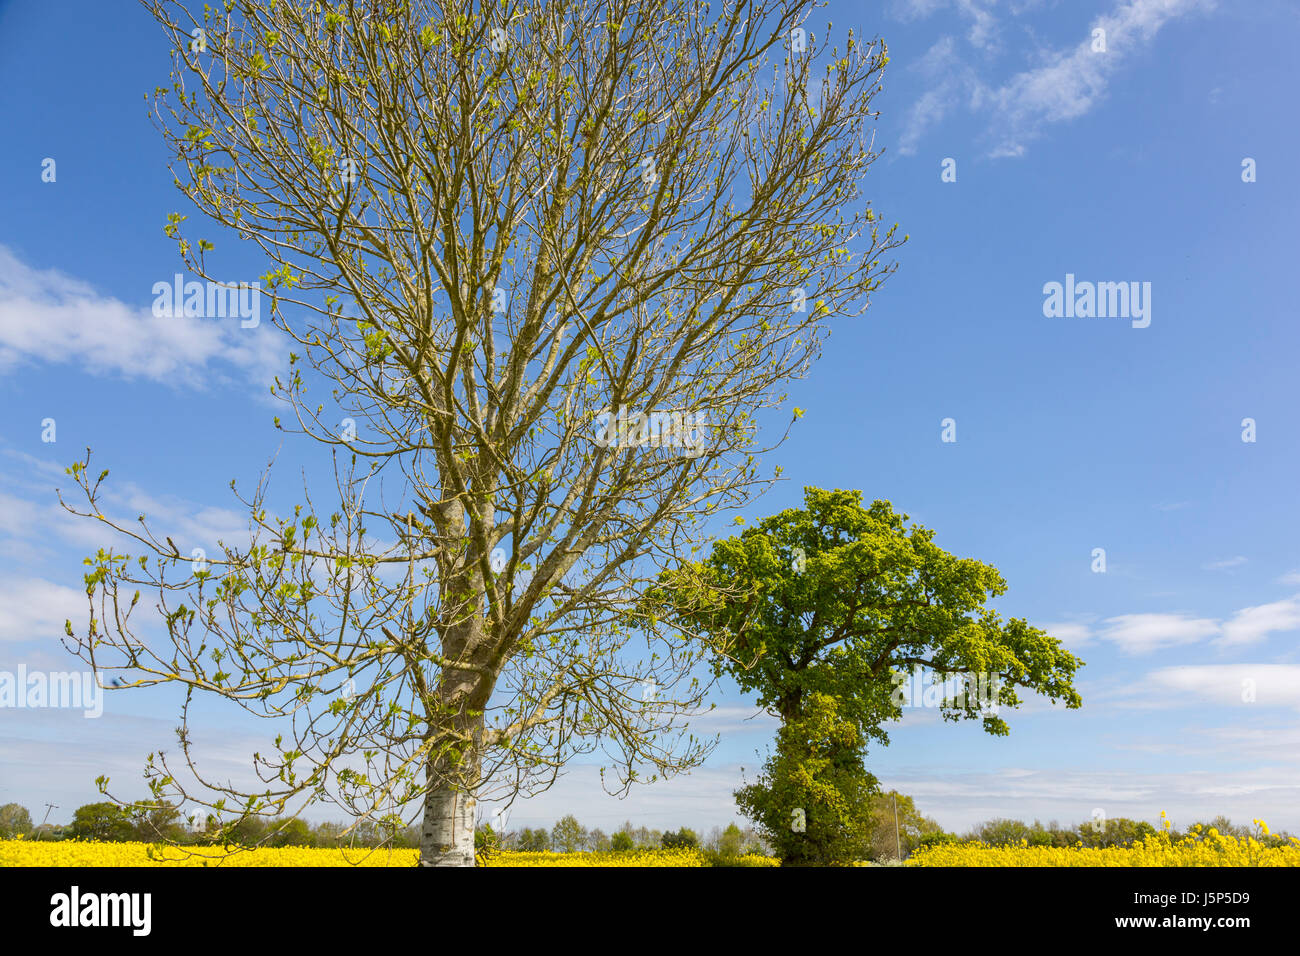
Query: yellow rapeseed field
(86,853)
(1210,849)
(1160,849)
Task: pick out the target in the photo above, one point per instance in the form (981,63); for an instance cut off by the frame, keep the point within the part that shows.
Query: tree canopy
(541,266)
(838,599)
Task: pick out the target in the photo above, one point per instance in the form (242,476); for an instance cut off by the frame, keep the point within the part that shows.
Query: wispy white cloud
(983,29)
(1071,633)
(33,609)
(734,718)
(47,316)
(916,9)
(1071,82)
(1064,85)
(31,518)
(1254,624)
(983,32)
(1224,565)
(1276,743)
(948,78)
(1144,633)
(1229,685)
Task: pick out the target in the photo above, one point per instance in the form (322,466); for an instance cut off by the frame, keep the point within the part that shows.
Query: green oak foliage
(836,599)
(823,610)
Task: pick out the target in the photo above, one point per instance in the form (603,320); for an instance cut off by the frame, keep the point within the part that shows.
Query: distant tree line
(895,828)
(165,823)
(570,836)
(1120,831)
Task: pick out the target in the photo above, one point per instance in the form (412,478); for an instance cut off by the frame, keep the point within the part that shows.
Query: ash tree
(546,263)
(830,614)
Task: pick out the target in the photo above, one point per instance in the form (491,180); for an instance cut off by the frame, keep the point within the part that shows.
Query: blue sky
(1072,433)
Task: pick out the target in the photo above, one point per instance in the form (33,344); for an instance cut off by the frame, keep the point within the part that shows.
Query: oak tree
(839,606)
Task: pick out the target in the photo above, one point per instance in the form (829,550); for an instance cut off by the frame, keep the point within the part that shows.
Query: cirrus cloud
(1065,84)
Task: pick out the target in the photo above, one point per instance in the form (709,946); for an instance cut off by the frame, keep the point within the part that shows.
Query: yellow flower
(90,853)
(1158,849)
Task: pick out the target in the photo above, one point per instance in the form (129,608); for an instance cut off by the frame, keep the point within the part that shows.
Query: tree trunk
(447,837)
